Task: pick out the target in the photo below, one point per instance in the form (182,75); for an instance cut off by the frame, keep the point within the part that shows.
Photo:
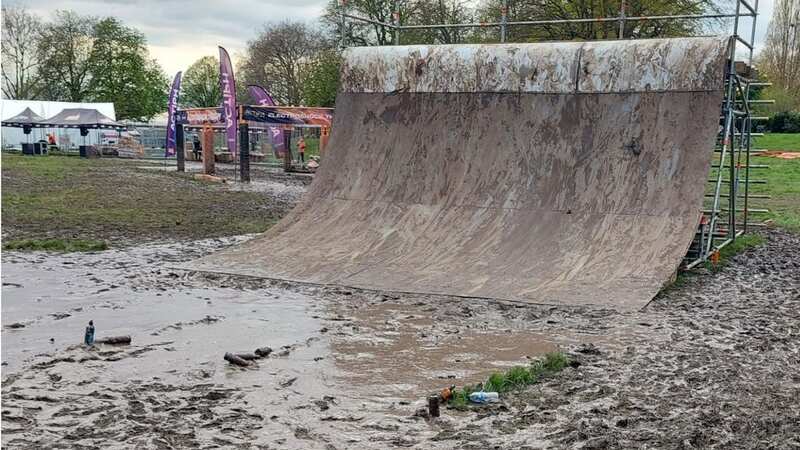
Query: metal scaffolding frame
(743,9)
(718,225)
(726,213)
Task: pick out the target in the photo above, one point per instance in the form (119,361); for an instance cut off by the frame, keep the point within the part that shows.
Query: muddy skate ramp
(559,173)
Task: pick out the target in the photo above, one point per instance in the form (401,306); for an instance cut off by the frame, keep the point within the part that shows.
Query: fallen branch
(236,359)
(263,352)
(115,340)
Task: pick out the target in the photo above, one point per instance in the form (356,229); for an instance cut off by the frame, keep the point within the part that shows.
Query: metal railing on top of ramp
(718,225)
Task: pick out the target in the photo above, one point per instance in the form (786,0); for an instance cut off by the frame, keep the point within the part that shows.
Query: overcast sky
(181,31)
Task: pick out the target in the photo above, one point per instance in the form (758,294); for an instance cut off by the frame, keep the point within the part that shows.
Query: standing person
(88,337)
(197,147)
(301,148)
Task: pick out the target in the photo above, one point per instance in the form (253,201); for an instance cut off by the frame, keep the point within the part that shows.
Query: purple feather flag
(170,147)
(262,97)
(227,86)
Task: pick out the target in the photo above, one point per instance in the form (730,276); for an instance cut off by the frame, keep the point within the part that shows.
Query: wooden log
(247,356)
(235,359)
(263,352)
(114,340)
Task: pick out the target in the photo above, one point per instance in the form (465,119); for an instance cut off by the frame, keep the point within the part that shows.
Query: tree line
(779,63)
(79,58)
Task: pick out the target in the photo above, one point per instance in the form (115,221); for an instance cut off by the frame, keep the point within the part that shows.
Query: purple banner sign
(228,88)
(262,98)
(170,147)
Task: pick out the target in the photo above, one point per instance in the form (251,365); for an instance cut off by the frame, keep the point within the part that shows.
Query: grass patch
(778,141)
(49,168)
(56,245)
(783,187)
(513,379)
(741,244)
(117,201)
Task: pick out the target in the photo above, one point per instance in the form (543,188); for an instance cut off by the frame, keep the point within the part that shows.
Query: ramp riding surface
(559,173)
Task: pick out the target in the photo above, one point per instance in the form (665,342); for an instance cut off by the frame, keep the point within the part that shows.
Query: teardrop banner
(170,146)
(227,86)
(263,98)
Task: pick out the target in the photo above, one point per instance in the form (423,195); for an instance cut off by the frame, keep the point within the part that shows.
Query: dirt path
(712,364)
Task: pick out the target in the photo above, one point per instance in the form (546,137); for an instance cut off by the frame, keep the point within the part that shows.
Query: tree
(780,59)
(20,59)
(123,73)
(200,85)
(361,33)
(430,12)
(275,57)
(66,49)
(320,78)
(88,59)
(519,10)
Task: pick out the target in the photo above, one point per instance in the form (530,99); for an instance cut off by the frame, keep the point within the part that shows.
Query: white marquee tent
(66,137)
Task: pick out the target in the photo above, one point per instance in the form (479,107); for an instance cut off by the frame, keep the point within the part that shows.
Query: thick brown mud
(713,363)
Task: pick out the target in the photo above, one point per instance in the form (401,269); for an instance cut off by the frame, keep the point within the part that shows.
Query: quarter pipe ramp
(559,173)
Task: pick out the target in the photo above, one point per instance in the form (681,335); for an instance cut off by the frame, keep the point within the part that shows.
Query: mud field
(714,363)
(711,363)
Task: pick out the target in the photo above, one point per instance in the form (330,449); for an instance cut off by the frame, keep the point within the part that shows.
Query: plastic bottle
(484,397)
(88,337)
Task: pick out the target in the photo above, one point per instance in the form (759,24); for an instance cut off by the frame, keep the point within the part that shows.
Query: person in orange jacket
(301,148)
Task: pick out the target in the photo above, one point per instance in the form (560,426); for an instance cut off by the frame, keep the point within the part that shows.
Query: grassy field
(50,199)
(783,186)
(778,141)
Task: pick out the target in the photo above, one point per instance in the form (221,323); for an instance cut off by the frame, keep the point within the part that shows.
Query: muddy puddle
(341,361)
(392,353)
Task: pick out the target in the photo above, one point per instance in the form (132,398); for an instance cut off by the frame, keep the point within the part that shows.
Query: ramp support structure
(730,182)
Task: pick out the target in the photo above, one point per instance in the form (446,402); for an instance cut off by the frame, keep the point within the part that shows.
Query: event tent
(25,119)
(66,137)
(84,118)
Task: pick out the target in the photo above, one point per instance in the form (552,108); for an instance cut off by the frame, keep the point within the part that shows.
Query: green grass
(783,187)
(312,146)
(51,168)
(513,379)
(741,244)
(56,245)
(113,200)
(778,141)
